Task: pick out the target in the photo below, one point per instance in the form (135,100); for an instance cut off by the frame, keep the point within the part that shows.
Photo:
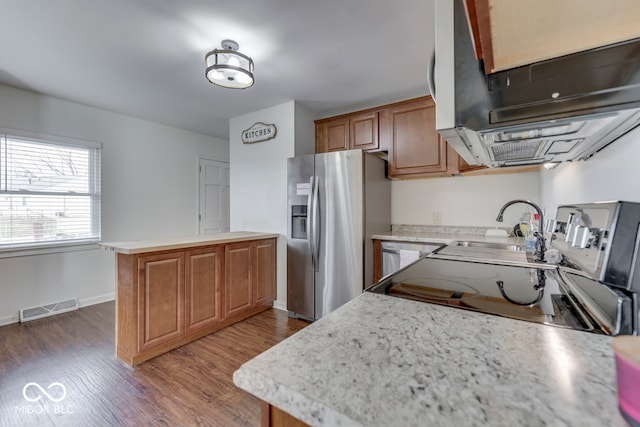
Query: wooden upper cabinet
(509,33)
(466,167)
(359,130)
(334,135)
(363,131)
(415,148)
(406,129)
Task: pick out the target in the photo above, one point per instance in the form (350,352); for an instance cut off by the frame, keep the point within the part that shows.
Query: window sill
(29,250)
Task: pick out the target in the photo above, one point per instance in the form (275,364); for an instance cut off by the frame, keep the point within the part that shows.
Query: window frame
(95,195)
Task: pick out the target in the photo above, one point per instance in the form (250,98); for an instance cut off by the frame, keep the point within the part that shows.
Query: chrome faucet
(539,235)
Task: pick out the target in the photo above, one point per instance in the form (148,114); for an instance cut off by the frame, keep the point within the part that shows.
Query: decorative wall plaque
(259,132)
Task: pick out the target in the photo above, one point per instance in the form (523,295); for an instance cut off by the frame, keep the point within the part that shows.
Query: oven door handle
(634,280)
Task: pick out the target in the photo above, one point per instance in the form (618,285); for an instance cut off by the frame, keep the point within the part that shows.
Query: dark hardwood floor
(189,386)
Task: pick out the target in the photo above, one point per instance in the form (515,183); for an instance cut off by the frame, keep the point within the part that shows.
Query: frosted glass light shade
(229,68)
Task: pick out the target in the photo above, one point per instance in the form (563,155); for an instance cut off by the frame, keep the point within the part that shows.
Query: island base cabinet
(272,416)
(168,299)
(264,268)
(160,299)
(204,283)
(238,278)
(250,276)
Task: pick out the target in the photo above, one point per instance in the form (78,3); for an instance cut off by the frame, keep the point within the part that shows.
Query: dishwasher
(396,255)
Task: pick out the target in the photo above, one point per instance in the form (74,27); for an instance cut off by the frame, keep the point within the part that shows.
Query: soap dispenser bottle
(530,236)
(523,224)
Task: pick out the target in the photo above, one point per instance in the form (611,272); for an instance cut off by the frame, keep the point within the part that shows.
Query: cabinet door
(264,278)
(363,131)
(320,147)
(336,134)
(238,274)
(504,41)
(203,280)
(160,299)
(415,148)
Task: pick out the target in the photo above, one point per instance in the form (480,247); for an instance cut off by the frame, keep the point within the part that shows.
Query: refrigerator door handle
(316,225)
(310,227)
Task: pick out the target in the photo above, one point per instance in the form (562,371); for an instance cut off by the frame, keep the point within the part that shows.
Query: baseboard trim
(85,302)
(8,320)
(280,305)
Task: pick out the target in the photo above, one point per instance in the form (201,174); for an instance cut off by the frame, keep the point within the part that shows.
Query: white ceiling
(145,58)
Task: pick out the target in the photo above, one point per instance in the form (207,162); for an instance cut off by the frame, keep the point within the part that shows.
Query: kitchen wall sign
(259,132)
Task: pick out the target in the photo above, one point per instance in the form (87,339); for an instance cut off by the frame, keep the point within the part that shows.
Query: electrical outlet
(437,218)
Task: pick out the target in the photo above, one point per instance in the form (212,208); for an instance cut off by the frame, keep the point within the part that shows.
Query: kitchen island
(172,291)
(384,361)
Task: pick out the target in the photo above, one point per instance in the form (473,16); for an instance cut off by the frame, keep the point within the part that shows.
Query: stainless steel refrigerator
(336,202)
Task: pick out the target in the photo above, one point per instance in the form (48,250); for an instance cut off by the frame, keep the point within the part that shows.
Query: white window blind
(49,193)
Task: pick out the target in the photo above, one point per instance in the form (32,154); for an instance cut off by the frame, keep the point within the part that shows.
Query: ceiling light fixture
(227,67)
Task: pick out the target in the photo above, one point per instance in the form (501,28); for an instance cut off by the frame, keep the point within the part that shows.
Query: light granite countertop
(448,235)
(384,361)
(443,234)
(180,242)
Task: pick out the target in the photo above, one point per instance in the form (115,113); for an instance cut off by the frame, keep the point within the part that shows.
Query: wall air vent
(27,314)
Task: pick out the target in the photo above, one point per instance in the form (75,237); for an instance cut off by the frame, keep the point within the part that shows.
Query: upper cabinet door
(363,131)
(347,132)
(415,148)
(510,33)
(334,135)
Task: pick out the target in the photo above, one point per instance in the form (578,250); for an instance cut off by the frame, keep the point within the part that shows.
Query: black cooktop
(519,292)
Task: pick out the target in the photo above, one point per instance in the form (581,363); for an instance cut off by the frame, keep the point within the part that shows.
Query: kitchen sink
(491,245)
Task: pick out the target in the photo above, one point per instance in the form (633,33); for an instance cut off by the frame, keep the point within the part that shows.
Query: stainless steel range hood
(562,109)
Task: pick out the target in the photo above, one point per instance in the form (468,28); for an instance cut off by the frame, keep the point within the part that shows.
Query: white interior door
(213,212)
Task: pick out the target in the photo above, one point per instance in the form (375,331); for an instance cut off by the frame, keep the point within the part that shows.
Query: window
(49,192)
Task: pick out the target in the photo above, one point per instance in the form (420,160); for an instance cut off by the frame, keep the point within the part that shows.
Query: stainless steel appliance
(561,109)
(602,240)
(336,202)
(595,288)
(525,293)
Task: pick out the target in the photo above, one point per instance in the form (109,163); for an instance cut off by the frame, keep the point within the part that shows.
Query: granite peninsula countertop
(383,361)
(170,243)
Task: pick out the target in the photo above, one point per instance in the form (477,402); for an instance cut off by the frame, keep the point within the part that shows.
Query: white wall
(259,176)
(149,189)
(305,131)
(611,174)
(463,200)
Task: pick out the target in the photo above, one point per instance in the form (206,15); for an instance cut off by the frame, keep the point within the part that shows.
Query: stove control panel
(602,239)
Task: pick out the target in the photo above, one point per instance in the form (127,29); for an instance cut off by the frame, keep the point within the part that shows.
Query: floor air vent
(27,314)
